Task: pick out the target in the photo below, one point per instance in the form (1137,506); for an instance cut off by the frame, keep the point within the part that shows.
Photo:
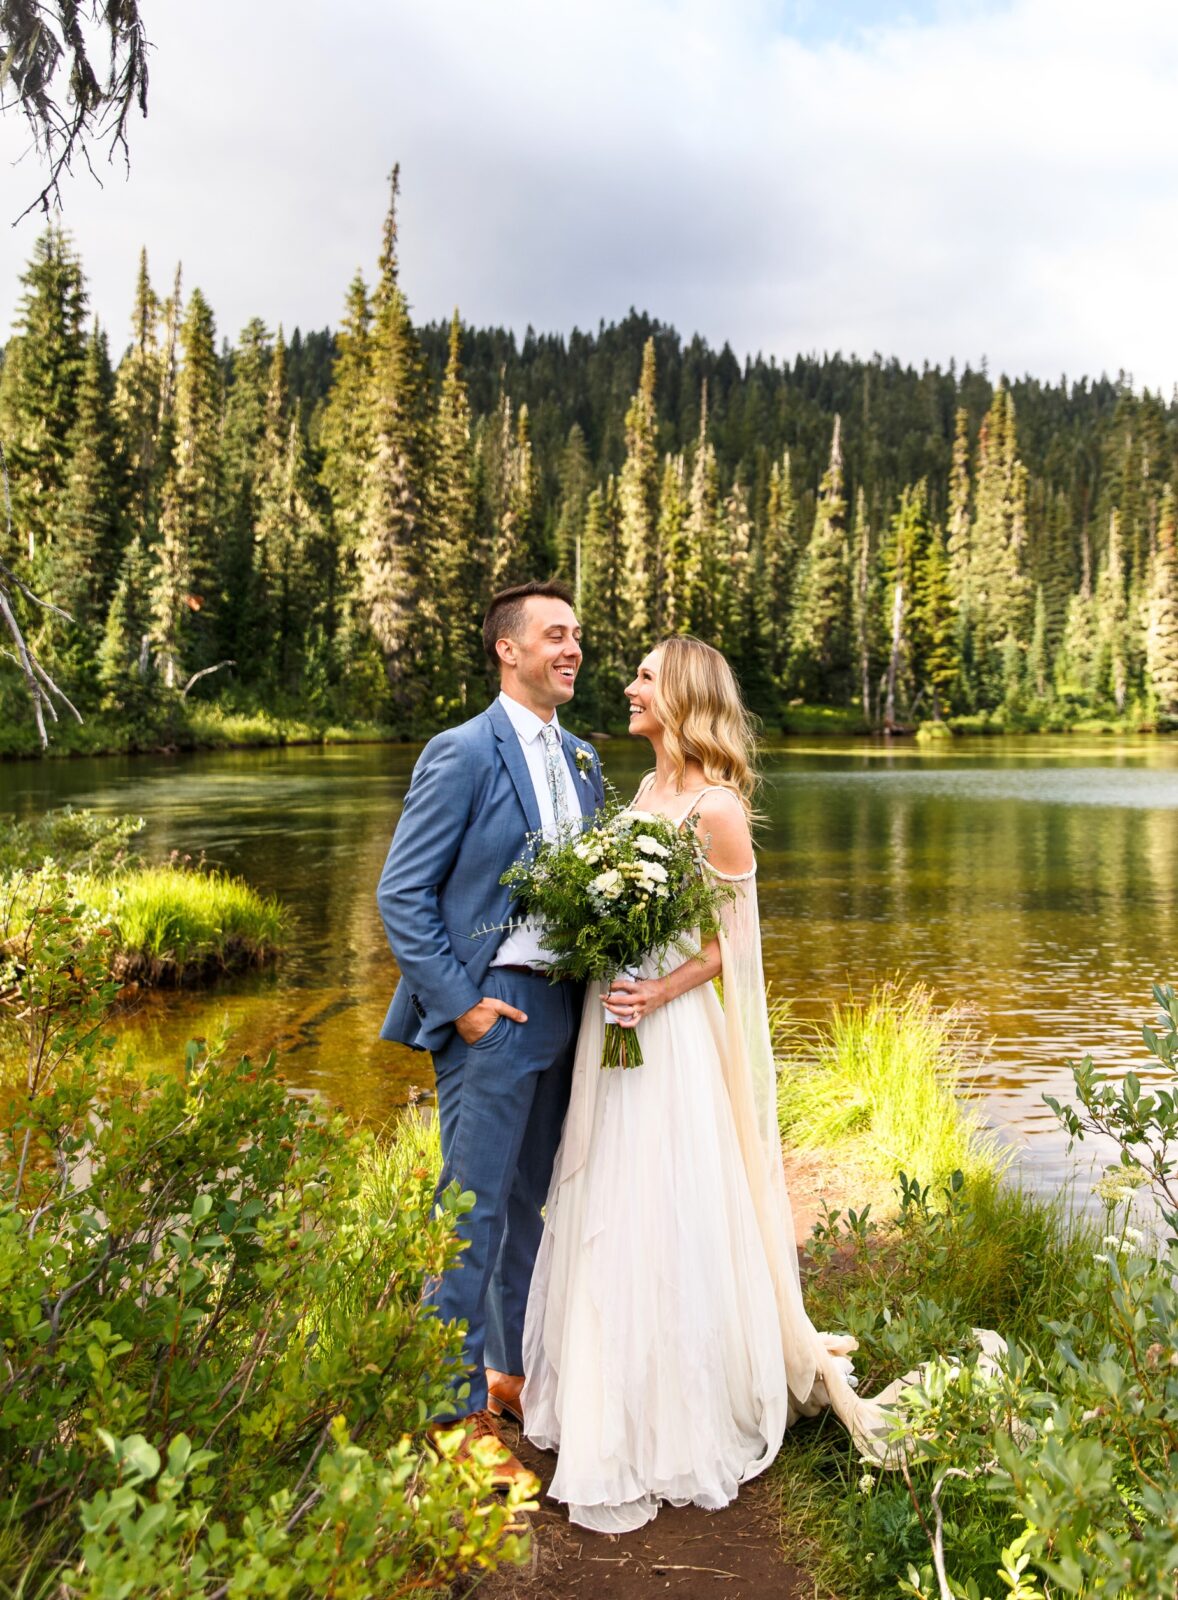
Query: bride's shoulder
(724,828)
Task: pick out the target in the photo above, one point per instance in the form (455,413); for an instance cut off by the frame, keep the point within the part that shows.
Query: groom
(502,1037)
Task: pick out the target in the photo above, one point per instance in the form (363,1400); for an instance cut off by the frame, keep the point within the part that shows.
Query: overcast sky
(946,178)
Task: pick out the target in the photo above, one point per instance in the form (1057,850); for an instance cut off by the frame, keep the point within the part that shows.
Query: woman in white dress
(666,1347)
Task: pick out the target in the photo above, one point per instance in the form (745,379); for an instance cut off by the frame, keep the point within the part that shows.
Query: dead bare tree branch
(44,44)
(203,673)
(41,687)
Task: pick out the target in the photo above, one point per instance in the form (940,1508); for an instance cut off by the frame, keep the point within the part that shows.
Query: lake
(1033,880)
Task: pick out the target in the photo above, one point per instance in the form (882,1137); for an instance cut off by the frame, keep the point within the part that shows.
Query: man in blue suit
(502,1037)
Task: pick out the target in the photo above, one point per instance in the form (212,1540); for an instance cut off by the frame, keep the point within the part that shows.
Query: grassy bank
(197,727)
(174,925)
(166,924)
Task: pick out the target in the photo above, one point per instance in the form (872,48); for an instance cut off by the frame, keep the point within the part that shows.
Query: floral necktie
(553,763)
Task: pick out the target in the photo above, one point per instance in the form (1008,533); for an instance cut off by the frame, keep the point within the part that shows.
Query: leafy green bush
(216,1361)
(75,841)
(1058,1470)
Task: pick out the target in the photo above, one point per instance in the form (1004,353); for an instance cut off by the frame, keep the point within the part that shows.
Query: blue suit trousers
(501,1106)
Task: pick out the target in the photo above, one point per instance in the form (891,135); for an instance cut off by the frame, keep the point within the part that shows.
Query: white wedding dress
(666,1345)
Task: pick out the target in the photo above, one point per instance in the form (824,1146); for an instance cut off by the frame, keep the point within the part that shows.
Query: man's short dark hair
(506,613)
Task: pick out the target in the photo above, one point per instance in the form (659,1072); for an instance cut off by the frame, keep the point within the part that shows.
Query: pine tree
(253,443)
(1037,651)
(393,532)
(83,549)
(139,388)
(731,582)
(997,586)
(43,364)
(820,633)
(576,481)
(458,573)
(674,615)
(863,598)
(288,538)
(958,530)
(345,439)
(700,532)
(938,625)
(638,495)
(1112,621)
(1161,639)
(603,605)
(186,601)
(124,662)
(903,556)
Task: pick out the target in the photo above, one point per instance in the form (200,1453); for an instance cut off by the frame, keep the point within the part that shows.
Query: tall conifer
(39,381)
(638,495)
(576,481)
(1161,637)
(138,396)
(820,626)
(674,597)
(393,529)
(458,573)
(83,549)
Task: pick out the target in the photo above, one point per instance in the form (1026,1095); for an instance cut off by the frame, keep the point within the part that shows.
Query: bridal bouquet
(633,885)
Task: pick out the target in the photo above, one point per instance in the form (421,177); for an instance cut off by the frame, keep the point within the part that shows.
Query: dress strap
(712,788)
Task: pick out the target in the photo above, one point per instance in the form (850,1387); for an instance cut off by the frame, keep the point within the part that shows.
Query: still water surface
(1034,880)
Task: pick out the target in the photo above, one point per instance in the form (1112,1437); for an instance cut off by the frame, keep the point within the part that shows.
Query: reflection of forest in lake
(1034,880)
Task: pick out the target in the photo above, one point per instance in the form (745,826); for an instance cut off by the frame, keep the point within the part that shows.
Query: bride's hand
(631,999)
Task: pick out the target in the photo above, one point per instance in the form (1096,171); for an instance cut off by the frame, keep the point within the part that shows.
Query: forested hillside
(328,515)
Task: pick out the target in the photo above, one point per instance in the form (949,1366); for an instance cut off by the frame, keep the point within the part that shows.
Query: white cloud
(988,180)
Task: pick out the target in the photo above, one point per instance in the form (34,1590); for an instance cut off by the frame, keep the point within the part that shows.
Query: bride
(666,1345)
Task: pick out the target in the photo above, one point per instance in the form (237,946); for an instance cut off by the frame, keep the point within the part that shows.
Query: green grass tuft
(174,924)
(877,1084)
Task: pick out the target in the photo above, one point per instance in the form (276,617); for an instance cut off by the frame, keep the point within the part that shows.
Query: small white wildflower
(1113,1241)
(652,869)
(866,1483)
(1102,1259)
(608,883)
(1134,1236)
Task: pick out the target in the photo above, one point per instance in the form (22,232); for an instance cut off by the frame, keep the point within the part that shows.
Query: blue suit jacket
(467,814)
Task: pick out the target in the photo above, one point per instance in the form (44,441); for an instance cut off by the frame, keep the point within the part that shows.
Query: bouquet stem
(621,1047)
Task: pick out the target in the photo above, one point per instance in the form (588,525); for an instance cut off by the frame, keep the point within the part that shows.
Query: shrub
(1055,1472)
(216,1357)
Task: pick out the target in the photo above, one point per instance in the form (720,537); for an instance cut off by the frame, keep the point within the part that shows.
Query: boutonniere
(586,761)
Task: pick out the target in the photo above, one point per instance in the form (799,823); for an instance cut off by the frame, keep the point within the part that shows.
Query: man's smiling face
(540,667)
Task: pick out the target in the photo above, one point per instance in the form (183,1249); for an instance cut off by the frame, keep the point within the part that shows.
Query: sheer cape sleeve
(817,1364)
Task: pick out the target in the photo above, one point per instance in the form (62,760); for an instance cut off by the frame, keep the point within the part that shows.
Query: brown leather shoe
(506,1471)
(503,1395)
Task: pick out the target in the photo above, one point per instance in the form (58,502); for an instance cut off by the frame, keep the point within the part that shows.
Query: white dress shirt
(523,946)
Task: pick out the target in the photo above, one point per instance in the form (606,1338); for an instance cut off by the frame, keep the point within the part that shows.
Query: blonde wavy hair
(697,700)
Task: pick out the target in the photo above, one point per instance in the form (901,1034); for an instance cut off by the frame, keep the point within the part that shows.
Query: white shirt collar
(526,723)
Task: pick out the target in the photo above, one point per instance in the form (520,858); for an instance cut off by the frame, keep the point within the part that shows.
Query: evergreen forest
(311,526)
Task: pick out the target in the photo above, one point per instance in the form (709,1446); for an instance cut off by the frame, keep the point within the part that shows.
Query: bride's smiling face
(643,722)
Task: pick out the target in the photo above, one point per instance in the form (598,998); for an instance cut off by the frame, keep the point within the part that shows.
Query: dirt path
(734,1554)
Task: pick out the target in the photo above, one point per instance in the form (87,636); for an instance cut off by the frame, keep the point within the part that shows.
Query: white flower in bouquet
(649,846)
